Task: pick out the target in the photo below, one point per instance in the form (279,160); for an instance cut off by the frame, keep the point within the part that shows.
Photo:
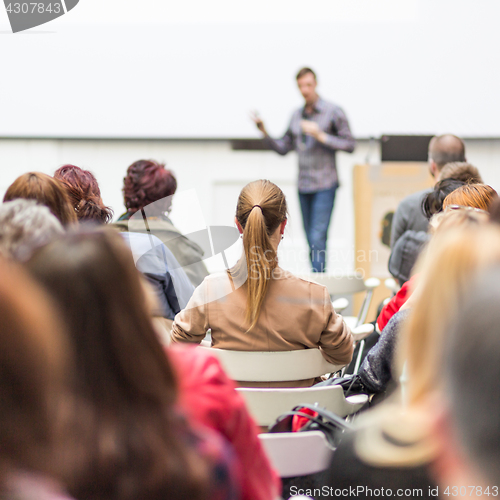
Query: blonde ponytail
(261,209)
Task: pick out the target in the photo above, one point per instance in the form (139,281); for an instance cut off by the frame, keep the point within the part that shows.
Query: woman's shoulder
(299,282)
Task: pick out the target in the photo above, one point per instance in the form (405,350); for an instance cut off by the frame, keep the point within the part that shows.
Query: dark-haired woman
(150,184)
(257,306)
(136,444)
(84,194)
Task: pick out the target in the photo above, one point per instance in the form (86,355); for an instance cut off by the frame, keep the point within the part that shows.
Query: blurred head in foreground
(137,444)
(33,369)
(469,427)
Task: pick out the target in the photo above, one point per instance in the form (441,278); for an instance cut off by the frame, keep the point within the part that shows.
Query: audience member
(443,149)
(477,196)
(148,189)
(24,227)
(409,246)
(34,367)
(257,306)
(138,446)
(44,190)
(433,202)
(394,444)
(167,280)
(460,171)
(84,194)
(469,426)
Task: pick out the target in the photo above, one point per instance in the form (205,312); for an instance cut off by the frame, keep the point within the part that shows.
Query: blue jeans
(316,214)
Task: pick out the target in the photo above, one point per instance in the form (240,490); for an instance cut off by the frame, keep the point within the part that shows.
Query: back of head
(471,195)
(461,171)
(134,436)
(25,226)
(453,257)
(433,202)
(147,181)
(45,190)
(472,372)
(92,276)
(445,149)
(33,361)
(84,194)
(260,210)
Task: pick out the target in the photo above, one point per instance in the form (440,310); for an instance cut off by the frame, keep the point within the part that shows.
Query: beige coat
(296,314)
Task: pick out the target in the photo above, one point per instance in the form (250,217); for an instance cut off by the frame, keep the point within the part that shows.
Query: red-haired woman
(84,194)
(150,184)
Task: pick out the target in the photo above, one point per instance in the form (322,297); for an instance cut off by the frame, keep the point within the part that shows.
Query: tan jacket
(296,314)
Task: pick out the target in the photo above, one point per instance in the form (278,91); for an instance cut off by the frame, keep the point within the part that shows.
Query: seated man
(443,149)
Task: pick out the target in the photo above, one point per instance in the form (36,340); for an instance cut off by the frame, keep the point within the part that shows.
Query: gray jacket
(376,371)
(409,216)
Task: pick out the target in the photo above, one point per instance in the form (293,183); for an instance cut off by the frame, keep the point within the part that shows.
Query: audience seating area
(104,323)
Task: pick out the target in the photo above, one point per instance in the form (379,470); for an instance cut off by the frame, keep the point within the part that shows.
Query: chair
(282,366)
(295,454)
(265,404)
(347,284)
(391,284)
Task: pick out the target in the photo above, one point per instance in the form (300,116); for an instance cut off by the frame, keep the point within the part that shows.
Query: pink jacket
(208,396)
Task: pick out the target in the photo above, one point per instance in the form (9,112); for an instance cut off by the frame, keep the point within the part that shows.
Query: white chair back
(295,454)
(266,405)
(282,366)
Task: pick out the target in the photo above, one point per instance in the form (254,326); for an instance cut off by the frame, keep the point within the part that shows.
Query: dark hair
(84,194)
(146,182)
(45,190)
(136,440)
(260,210)
(445,149)
(33,367)
(433,202)
(305,71)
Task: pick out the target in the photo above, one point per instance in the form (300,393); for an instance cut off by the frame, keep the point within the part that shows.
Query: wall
(217,174)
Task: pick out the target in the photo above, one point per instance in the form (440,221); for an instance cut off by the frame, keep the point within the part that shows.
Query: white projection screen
(194,69)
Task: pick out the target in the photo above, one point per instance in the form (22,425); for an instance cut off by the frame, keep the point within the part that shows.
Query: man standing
(316,132)
(409,216)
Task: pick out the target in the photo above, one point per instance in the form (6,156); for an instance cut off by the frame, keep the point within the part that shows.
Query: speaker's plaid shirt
(317,169)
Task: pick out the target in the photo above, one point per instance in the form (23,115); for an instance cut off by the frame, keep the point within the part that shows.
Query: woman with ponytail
(256,305)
